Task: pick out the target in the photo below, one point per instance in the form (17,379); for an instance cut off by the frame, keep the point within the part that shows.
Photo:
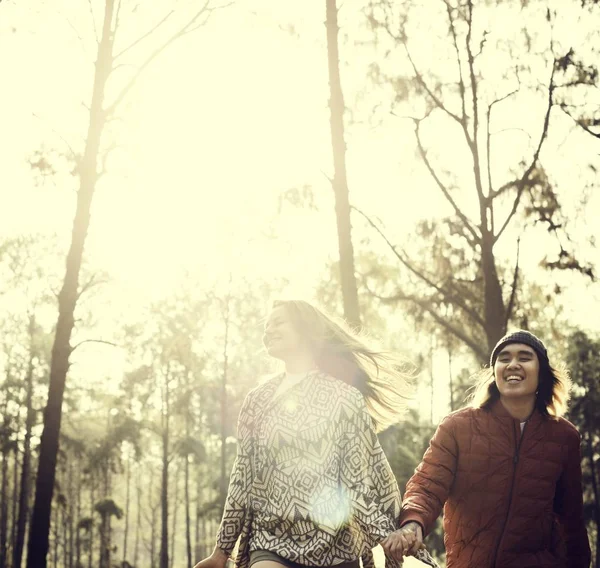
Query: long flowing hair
(553,391)
(383,379)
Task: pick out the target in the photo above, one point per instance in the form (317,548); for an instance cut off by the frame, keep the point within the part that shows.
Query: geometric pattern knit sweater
(310,481)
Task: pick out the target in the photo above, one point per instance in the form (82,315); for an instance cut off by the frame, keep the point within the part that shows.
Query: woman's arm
(366,475)
(240,482)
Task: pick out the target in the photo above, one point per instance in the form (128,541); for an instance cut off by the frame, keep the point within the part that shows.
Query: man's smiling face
(517,371)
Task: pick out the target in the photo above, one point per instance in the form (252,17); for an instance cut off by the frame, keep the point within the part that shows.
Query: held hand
(395,545)
(218,559)
(414,533)
(405,541)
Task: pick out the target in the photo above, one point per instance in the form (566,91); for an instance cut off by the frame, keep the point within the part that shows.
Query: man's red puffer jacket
(511,500)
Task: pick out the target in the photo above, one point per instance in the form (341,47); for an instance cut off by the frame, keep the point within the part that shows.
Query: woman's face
(517,371)
(280,338)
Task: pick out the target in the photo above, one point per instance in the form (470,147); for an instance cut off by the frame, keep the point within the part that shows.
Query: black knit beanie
(520,336)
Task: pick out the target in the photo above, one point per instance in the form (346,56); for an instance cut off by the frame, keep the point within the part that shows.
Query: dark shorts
(260,555)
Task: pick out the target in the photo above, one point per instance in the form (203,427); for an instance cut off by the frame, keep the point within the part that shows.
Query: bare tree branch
(503,188)
(462,121)
(456,300)
(461,82)
(144,36)
(117,21)
(327,177)
(442,187)
(93,281)
(122,65)
(475,102)
(77,35)
(514,128)
(419,76)
(106,154)
(513,292)
(93,341)
(488,149)
(428,90)
(459,334)
(94,22)
(74,155)
(199,20)
(580,122)
(522,183)
(118,16)
(489,143)
(458,228)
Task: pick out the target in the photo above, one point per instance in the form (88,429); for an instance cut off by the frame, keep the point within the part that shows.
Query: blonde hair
(383,378)
(552,396)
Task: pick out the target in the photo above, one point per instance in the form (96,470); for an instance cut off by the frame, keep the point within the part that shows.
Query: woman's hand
(403,542)
(218,559)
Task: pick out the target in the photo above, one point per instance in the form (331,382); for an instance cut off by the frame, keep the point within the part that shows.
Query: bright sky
(218,127)
(216,131)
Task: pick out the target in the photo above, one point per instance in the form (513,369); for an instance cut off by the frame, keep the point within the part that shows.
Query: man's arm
(429,487)
(568,506)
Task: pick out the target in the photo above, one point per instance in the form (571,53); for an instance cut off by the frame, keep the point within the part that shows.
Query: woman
(508,470)
(311,485)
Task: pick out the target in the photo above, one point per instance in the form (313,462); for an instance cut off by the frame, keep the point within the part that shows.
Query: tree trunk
(109,541)
(138,524)
(224,478)
(495,312)
(175,511)
(127,498)
(107,523)
(198,550)
(104,544)
(153,538)
(78,562)
(15,499)
(67,300)
(203,533)
(164,499)
(66,535)
(4,504)
(188,527)
(340,181)
(56,533)
(70,514)
(92,500)
(26,467)
(5,453)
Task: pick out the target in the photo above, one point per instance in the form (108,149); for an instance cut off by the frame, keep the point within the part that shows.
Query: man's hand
(405,541)
(218,559)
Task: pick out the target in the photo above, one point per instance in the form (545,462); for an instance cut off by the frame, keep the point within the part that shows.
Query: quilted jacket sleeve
(236,503)
(429,487)
(366,476)
(568,505)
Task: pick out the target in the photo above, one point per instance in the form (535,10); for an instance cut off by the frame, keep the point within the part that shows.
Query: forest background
(426,169)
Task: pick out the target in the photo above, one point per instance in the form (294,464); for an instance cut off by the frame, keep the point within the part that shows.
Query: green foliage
(85,524)
(108,508)
(300,197)
(191,447)
(583,358)
(451,273)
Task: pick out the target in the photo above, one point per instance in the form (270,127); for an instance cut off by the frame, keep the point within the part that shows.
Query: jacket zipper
(510,494)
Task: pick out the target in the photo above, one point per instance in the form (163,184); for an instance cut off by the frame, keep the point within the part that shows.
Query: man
(506,470)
